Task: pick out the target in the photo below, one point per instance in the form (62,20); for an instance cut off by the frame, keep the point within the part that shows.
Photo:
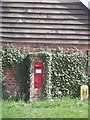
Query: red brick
(10,81)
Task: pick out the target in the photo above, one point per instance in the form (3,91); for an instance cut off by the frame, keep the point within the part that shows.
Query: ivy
(64,72)
(68,72)
(11,57)
(14,59)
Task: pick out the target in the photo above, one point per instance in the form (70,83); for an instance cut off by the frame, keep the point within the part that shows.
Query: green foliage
(46,59)
(68,72)
(23,77)
(64,72)
(11,57)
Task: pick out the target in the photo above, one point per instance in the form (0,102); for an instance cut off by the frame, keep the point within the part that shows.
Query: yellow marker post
(84,94)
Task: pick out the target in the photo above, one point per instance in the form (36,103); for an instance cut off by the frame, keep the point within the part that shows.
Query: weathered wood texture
(45,21)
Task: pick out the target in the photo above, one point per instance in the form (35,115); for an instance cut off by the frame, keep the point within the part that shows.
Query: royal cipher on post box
(38,75)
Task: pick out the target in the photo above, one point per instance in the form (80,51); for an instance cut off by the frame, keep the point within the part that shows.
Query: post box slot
(38,71)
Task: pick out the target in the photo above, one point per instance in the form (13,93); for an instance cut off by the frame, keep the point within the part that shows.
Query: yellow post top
(88,50)
(88,58)
(84,86)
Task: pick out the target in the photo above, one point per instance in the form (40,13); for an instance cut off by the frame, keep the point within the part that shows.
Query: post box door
(38,75)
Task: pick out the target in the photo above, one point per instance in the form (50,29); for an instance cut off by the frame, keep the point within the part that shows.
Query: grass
(0,110)
(57,108)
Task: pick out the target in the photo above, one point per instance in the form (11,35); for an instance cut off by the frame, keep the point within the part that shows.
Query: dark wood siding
(44,22)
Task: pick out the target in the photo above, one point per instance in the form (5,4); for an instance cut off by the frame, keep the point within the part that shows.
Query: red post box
(38,75)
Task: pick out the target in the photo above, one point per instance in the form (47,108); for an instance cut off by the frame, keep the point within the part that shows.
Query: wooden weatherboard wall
(44,21)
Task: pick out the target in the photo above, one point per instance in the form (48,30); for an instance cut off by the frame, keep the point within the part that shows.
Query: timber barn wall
(45,22)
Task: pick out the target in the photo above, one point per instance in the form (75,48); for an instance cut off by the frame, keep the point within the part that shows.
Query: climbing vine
(11,57)
(68,72)
(64,72)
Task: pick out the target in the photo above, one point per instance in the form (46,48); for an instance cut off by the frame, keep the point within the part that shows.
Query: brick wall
(10,81)
(35,46)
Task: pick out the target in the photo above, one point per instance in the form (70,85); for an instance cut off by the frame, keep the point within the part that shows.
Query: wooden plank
(45,26)
(45,16)
(68,31)
(44,21)
(43,1)
(36,41)
(31,23)
(41,16)
(25,11)
(37,18)
(63,36)
(47,10)
(69,6)
(45,39)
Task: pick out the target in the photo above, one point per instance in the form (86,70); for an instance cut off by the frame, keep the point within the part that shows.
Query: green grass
(0,109)
(57,108)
